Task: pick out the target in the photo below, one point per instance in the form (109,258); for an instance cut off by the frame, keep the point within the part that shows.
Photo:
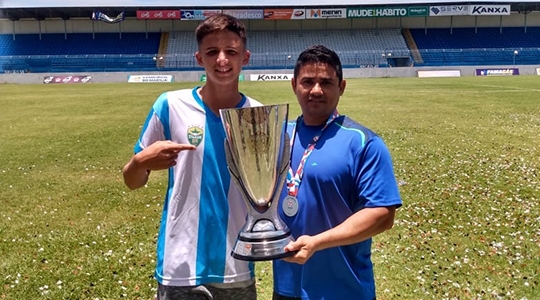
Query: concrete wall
(194,76)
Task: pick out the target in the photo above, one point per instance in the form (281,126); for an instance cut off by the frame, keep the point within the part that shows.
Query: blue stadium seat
(480,46)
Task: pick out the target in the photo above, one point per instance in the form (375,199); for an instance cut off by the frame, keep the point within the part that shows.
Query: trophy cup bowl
(258,153)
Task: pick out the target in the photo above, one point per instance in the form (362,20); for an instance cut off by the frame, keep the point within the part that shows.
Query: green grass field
(466,153)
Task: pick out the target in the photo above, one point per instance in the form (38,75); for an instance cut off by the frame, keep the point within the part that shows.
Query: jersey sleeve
(156,126)
(375,179)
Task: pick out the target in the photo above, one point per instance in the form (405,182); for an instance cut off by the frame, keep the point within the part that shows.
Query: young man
(341,191)
(203,211)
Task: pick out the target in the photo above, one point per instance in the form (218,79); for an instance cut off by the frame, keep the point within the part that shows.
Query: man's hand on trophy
(304,247)
(161,155)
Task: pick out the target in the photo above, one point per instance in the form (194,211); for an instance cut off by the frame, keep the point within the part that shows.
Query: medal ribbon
(293,180)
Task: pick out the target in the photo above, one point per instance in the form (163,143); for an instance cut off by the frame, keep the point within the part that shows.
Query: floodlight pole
(159,61)
(287,63)
(387,56)
(386,60)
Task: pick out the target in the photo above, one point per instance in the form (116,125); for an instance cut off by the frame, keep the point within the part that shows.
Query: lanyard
(293,180)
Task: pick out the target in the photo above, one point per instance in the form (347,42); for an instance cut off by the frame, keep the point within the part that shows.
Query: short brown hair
(219,22)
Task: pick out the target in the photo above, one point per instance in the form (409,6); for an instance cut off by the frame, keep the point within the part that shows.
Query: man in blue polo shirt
(341,191)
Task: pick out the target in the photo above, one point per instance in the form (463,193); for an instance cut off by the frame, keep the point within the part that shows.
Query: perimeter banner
(388,12)
(67,79)
(326,13)
(284,14)
(270,77)
(149,78)
(244,14)
(489,10)
(158,14)
(497,72)
(448,10)
(203,77)
(198,14)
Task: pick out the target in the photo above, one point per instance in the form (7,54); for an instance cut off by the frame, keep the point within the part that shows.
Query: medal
(290,206)
(290,203)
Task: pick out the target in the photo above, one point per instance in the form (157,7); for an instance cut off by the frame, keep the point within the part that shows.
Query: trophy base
(260,249)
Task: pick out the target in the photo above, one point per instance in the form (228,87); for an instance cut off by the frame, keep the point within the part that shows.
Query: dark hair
(220,22)
(319,54)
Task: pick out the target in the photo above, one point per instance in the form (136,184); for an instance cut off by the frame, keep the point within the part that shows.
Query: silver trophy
(258,152)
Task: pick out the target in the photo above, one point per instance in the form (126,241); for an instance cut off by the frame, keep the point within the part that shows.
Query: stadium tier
(478,46)
(105,52)
(271,49)
(78,52)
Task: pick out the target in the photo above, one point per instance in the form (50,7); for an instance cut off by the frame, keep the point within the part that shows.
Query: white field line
(505,88)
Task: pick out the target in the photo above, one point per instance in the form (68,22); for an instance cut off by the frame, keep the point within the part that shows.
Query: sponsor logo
(67,79)
(490,10)
(187,15)
(197,14)
(327,13)
(270,77)
(418,11)
(497,72)
(283,14)
(246,13)
(448,10)
(500,72)
(377,12)
(158,14)
(150,78)
(195,135)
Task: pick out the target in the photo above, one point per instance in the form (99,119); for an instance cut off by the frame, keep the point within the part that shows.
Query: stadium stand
(477,46)
(66,39)
(270,49)
(128,51)
(98,52)
(79,51)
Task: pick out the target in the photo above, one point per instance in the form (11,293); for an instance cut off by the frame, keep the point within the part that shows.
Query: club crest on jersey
(195,135)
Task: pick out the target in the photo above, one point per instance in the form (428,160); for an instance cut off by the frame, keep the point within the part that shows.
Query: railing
(349,59)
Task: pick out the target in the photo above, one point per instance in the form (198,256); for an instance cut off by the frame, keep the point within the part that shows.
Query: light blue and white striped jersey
(204,210)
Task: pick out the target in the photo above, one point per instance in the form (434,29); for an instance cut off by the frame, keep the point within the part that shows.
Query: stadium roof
(229,3)
(40,10)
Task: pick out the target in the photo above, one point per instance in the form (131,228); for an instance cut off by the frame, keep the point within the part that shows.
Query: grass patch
(465,152)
